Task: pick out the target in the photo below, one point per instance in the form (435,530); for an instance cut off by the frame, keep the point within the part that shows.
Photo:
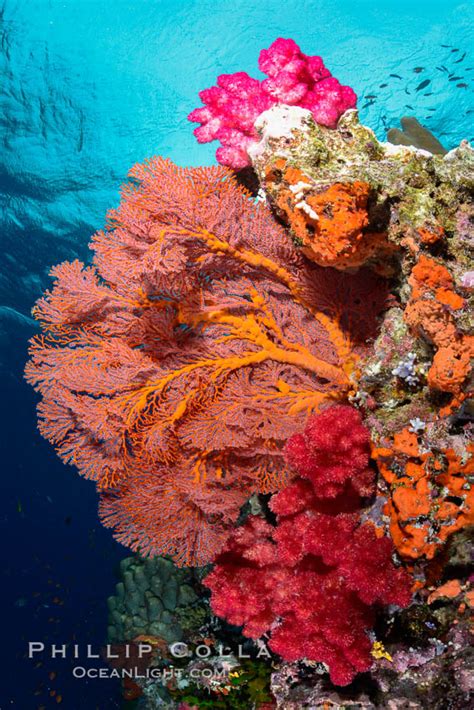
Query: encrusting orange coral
(430,236)
(431,497)
(330,224)
(429,314)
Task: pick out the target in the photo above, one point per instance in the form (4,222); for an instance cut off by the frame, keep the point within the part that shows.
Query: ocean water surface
(89,87)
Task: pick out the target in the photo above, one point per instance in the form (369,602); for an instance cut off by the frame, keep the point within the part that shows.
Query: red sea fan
(173,370)
(164,512)
(314,581)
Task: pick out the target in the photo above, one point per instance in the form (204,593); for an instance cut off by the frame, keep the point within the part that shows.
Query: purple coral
(231,108)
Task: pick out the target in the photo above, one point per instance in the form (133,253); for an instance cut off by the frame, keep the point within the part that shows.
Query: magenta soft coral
(313,582)
(232,107)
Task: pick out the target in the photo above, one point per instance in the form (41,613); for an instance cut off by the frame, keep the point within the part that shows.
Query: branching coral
(174,370)
(232,106)
(314,581)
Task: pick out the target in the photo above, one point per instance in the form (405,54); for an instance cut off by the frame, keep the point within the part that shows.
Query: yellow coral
(378,651)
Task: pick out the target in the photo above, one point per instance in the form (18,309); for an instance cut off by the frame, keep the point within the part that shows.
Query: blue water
(89,88)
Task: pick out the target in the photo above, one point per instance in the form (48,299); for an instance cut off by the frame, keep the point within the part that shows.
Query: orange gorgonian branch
(174,369)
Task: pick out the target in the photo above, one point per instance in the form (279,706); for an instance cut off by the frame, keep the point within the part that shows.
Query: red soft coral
(333,452)
(232,107)
(314,581)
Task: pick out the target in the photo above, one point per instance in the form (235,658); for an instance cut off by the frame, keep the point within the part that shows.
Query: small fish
(446,46)
(68,520)
(396,76)
(417,70)
(21,602)
(52,675)
(423,85)
(460,60)
(382,86)
(462,85)
(456,78)
(430,93)
(469,111)
(371,96)
(441,69)
(454,50)
(431,109)
(369,103)
(59,698)
(407,92)
(410,107)
(49,499)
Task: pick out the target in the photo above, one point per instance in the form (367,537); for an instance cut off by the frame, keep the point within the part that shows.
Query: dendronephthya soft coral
(294,78)
(314,581)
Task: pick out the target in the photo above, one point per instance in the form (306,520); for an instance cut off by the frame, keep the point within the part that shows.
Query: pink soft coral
(314,581)
(232,106)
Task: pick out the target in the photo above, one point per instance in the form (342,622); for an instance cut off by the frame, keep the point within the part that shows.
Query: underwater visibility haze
(261,364)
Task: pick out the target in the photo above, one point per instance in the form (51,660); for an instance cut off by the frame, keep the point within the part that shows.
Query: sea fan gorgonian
(173,370)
